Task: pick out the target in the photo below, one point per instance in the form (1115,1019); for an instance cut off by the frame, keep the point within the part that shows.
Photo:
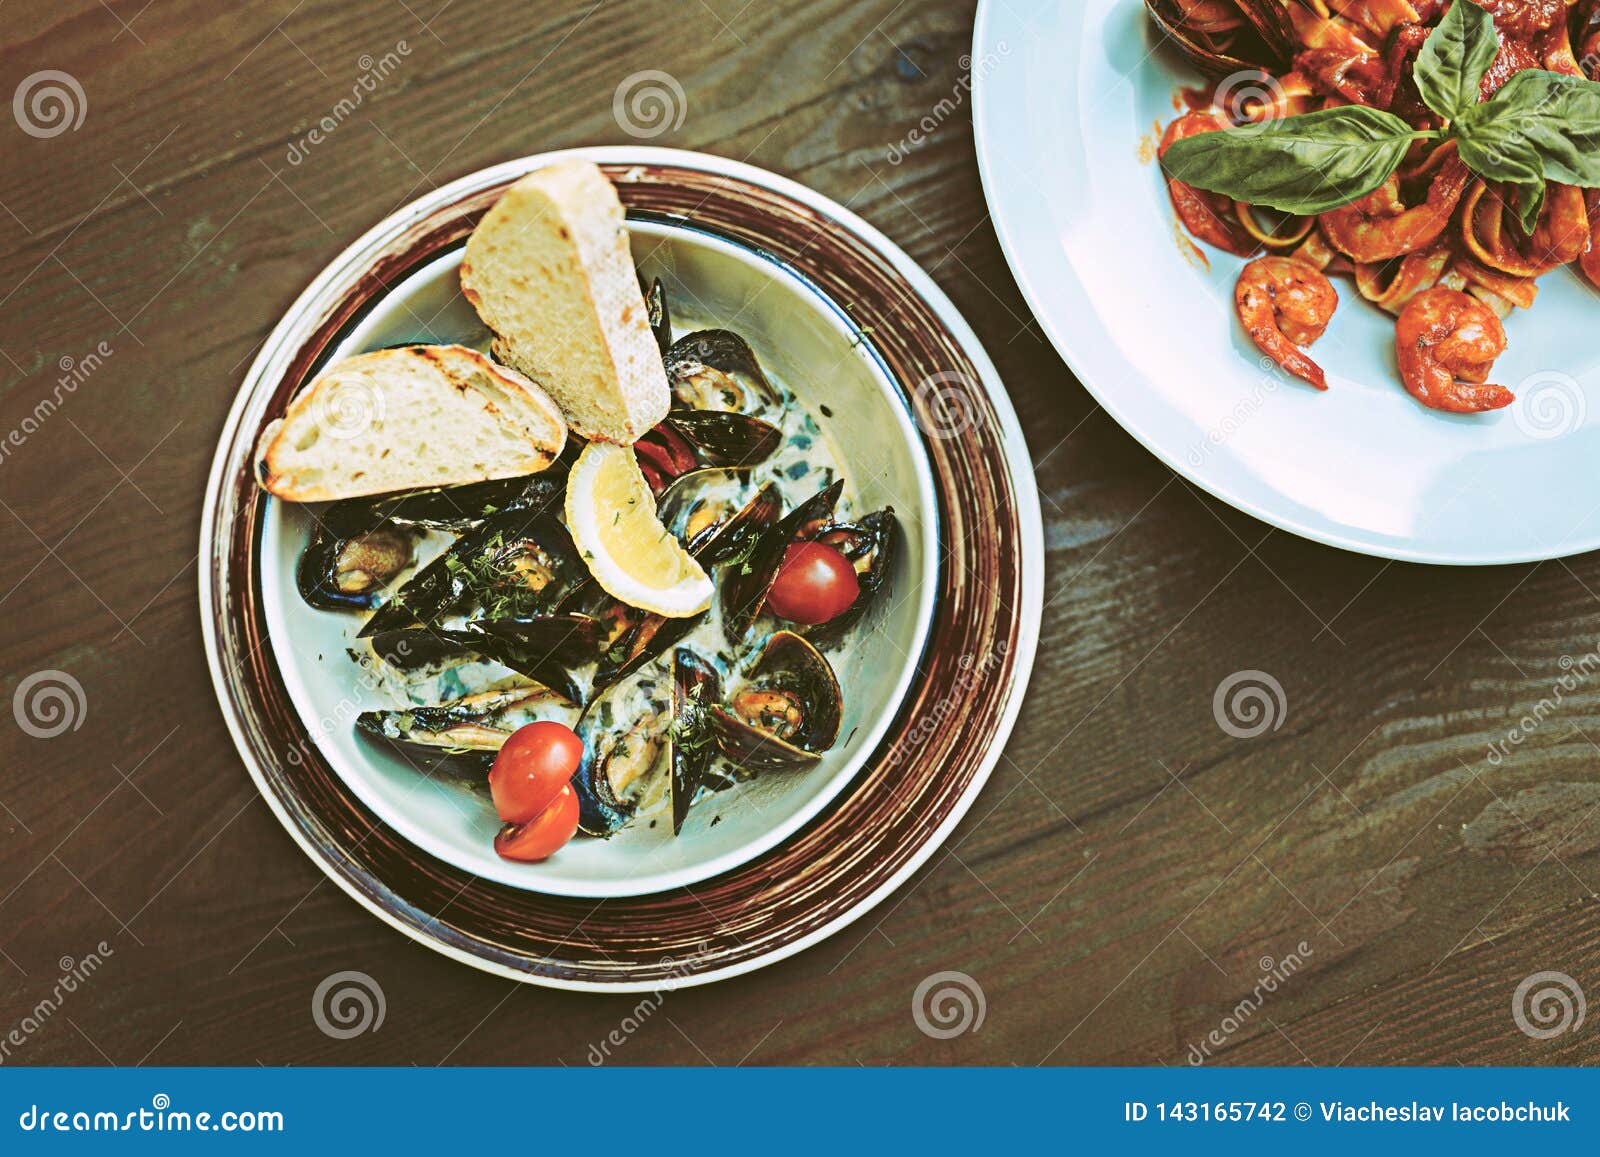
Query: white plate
(1064,94)
(804,341)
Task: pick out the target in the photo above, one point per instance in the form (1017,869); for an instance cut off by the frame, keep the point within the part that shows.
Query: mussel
(409,648)
(743,592)
(465,734)
(786,711)
(347,571)
(627,735)
(691,740)
(710,504)
(655,304)
(362,543)
(869,545)
(514,563)
(688,440)
(1222,37)
(715,369)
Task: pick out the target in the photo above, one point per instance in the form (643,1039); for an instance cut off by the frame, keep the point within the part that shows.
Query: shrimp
(1209,216)
(1285,303)
(1446,343)
(1589,261)
(1378,227)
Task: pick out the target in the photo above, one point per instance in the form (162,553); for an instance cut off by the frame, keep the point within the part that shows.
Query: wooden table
(1132,874)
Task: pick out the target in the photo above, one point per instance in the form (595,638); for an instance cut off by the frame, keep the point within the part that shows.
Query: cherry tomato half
(543,836)
(815,583)
(534,765)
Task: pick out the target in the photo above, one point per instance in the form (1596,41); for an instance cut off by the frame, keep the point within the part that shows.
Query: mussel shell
(451,507)
(656,312)
(461,735)
(691,738)
(408,648)
(744,590)
(790,664)
(726,438)
(872,538)
(570,639)
(601,810)
(1269,48)
(449,583)
(724,351)
(317,577)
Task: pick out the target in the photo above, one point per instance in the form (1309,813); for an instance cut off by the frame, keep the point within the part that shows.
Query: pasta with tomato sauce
(1434,187)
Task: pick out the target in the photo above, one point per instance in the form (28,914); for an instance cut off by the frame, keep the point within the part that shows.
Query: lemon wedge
(612,516)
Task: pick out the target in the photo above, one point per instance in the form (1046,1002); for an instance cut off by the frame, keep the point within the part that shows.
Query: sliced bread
(549,271)
(406,419)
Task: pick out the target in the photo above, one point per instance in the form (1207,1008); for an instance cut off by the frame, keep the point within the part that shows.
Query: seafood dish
(607,564)
(1441,155)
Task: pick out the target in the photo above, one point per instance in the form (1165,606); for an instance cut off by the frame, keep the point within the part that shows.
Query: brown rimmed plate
(910,789)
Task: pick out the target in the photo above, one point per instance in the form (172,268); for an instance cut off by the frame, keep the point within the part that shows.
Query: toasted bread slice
(549,271)
(405,419)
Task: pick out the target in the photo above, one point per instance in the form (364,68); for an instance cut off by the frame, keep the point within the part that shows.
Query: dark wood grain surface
(1131,874)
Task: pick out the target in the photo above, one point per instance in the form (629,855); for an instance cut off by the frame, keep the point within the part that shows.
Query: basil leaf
(1513,160)
(1558,114)
(1450,67)
(1300,164)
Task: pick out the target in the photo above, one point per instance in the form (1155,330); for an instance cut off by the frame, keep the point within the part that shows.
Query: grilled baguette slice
(405,419)
(549,271)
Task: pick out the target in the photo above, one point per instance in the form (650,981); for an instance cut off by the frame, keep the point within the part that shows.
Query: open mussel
(785,712)
(410,648)
(465,734)
(715,369)
(657,314)
(691,739)
(348,571)
(514,563)
(634,733)
(360,544)
(869,545)
(1222,37)
(688,440)
(743,592)
(708,512)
